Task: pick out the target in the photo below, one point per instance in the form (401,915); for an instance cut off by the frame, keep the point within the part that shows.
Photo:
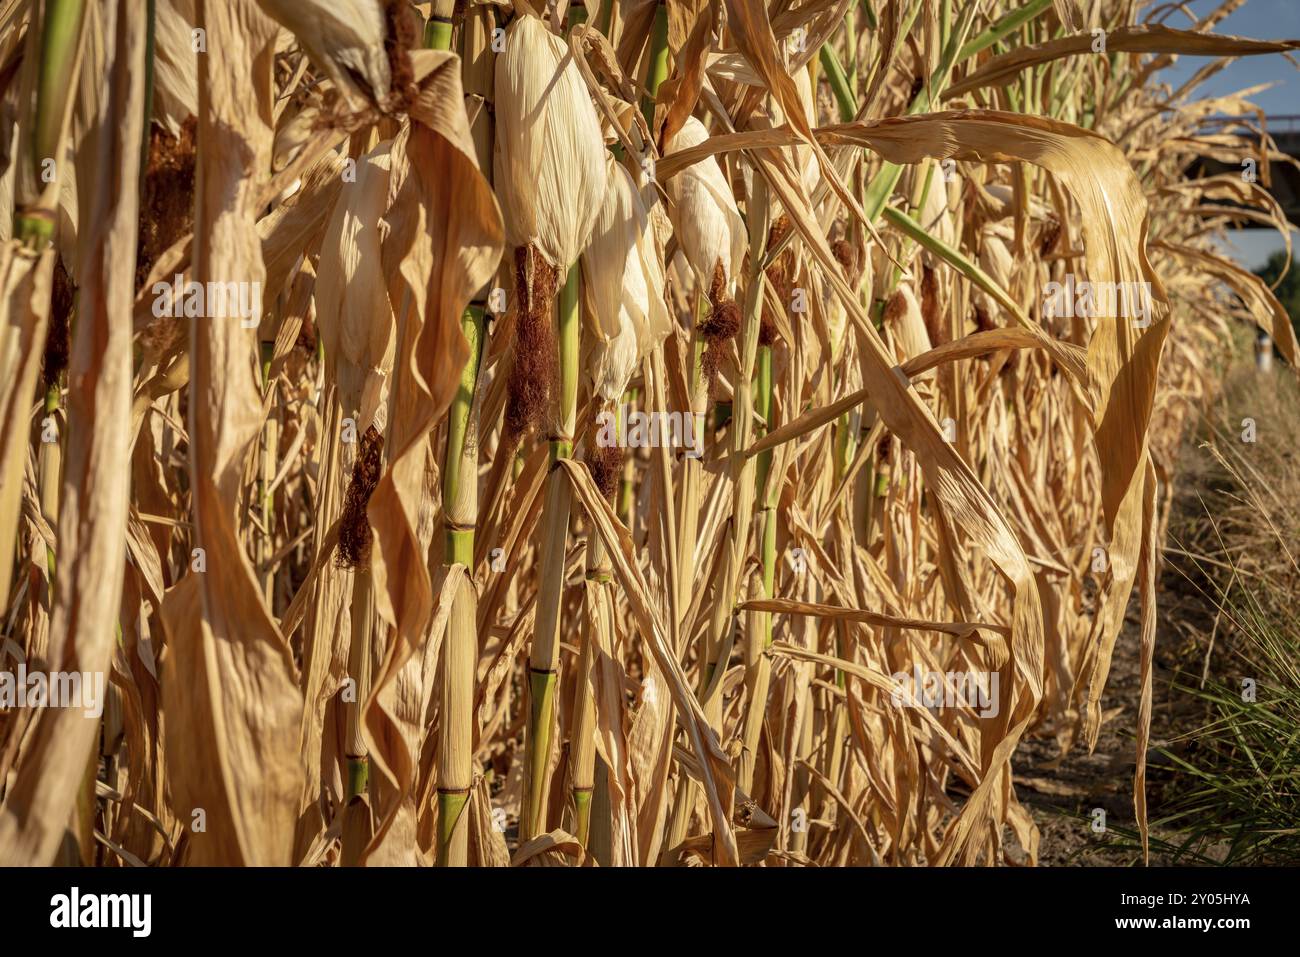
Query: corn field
(625,434)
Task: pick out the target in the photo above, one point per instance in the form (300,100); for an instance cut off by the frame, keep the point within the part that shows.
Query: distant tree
(1288,293)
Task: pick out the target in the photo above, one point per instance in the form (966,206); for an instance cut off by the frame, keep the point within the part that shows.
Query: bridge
(1284,177)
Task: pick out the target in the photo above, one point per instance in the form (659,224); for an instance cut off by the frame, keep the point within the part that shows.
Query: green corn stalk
(459,651)
(37,185)
(544,658)
(61,23)
(657,65)
(625,484)
(460,645)
(437,32)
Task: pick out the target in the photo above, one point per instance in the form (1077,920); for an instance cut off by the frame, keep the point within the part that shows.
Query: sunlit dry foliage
(623,434)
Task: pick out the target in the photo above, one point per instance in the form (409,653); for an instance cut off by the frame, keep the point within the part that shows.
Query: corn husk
(623,280)
(1004,196)
(936,213)
(354,317)
(550,172)
(706,219)
(907,327)
(996,260)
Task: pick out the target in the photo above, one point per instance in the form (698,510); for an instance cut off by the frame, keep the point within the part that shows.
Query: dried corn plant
(626,434)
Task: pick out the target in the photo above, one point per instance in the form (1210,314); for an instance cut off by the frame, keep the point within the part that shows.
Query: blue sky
(1259,20)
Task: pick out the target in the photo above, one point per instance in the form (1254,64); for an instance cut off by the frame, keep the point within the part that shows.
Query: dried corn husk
(353,313)
(550,172)
(907,327)
(936,214)
(705,217)
(996,260)
(1004,195)
(550,178)
(858,269)
(624,285)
